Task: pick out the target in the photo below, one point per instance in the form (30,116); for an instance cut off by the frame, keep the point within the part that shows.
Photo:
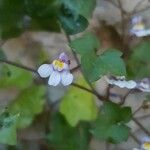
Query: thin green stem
(35,71)
(18,65)
(88,90)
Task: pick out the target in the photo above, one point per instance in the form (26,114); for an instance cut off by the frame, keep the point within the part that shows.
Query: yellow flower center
(146,145)
(59,65)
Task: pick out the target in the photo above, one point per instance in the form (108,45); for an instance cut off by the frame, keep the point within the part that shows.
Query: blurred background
(118,24)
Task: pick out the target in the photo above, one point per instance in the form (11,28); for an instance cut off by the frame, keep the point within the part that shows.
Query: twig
(143,117)
(28,68)
(108,92)
(123,21)
(144,9)
(123,99)
(135,138)
(88,90)
(117,6)
(35,71)
(18,65)
(138,109)
(137,6)
(141,126)
(74,69)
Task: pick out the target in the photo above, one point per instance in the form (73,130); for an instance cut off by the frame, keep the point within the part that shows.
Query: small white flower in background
(145,144)
(144,85)
(58,71)
(121,82)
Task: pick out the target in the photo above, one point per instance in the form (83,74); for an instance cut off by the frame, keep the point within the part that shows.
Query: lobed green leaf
(110,124)
(28,104)
(109,63)
(78,105)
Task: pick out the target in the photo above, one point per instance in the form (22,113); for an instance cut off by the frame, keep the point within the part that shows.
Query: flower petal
(54,78)
(63,57)
(131,84)
(66,66)
(121,84)
(45,70)
(66,78)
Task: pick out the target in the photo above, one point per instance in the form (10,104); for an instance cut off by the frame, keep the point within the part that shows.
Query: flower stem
(88,90)
(18,65)
(35,71)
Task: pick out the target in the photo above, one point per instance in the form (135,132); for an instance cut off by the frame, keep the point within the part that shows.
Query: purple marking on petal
(63,57)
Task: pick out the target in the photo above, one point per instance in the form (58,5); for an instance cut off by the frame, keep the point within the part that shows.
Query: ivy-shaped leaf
(85,44)
(28,104)
(109,63)
(79,7)
(72,22)
(78,105)
(110,124)
(93,66)
(118,133)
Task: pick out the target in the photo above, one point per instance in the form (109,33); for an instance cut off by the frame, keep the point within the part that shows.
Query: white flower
(121,82)
(144,85)
(58,71)
(145,144)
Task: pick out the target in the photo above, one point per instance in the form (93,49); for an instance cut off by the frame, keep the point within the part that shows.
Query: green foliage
(73,26)
(43,14)
(28,104)
(78,105)
(118,133)
(74,13)
(11,14)
(8,128)
(138,63)
(63,136)
(110,124)
(85,44)
(109,63)
(18,16)
(71,22)
(82,7)
(93,66)
(14,77)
